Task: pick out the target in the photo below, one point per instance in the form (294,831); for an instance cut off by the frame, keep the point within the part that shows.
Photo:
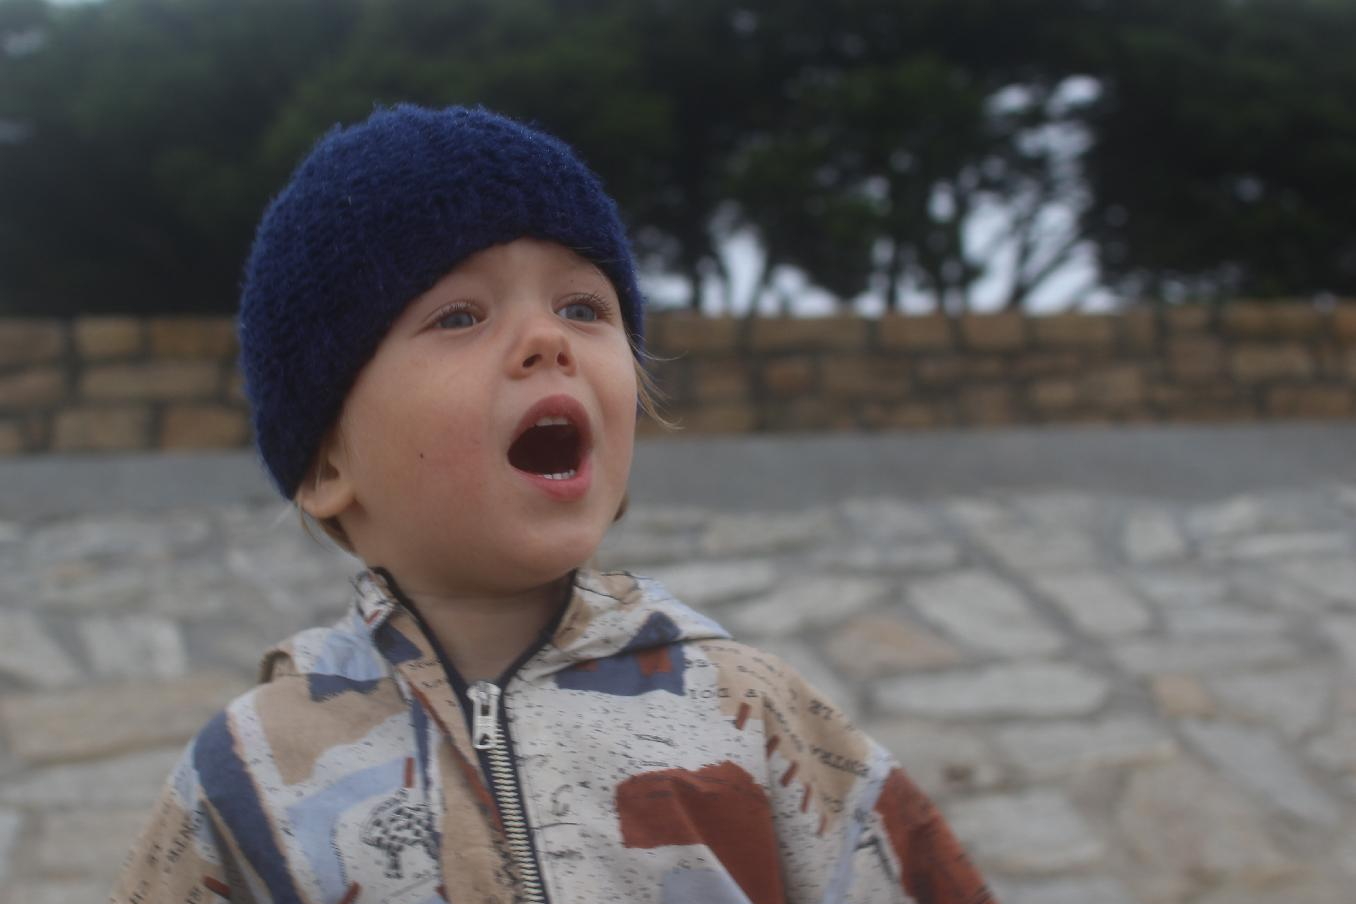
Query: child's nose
(544,343)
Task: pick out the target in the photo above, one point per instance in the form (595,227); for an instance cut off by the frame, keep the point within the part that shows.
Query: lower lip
(564,490)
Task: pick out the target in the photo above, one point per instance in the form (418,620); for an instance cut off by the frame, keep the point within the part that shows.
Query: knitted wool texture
(370,220)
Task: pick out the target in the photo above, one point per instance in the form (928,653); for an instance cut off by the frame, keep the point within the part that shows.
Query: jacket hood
(608,613)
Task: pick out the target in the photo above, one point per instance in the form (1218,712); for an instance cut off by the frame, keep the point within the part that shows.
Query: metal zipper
(485,728)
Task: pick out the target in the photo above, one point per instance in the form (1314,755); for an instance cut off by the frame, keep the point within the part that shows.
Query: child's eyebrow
(588,266)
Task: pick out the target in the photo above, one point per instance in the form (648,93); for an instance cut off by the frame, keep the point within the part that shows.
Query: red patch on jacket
(720,806)
(933,866)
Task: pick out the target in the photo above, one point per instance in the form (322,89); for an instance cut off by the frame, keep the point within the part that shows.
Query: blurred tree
(140,139)
(891,143)
(138,177)
(1224,160)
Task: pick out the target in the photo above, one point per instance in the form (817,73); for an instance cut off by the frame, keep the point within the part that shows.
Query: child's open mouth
(552,445)
(551,448)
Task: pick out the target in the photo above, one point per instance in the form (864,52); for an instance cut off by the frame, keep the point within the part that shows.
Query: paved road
(1123,661)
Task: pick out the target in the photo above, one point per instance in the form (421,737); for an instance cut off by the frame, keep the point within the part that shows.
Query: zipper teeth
(515,825)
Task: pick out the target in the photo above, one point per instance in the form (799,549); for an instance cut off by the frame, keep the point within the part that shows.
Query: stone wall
(129,383)
(1246,361)
(119,383)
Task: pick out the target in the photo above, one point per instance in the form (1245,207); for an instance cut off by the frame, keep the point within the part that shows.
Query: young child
(440,333)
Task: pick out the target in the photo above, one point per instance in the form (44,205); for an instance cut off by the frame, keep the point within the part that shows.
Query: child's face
(427,427)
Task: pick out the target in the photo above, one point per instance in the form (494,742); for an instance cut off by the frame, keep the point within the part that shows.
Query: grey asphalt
(771,472)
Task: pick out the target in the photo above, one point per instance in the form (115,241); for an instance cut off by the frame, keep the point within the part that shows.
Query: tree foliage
(1225,159)
(859,140)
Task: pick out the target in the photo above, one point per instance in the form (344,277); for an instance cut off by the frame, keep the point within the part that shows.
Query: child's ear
(326,492)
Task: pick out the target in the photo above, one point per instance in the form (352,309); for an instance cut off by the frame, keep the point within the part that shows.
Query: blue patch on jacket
(650,661)
(326,687)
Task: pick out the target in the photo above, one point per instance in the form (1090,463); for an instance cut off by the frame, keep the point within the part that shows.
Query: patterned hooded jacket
(636,754)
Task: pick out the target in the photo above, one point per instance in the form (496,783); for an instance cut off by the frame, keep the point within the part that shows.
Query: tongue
(546,450)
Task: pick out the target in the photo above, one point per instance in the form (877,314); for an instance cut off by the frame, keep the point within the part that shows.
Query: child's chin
(548,554)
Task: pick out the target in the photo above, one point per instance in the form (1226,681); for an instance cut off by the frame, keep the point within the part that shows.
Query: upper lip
(559,405)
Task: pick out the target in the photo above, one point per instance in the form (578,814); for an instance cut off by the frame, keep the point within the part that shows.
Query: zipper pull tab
(484,715)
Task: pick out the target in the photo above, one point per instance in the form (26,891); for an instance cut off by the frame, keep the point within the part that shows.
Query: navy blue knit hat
(371,219)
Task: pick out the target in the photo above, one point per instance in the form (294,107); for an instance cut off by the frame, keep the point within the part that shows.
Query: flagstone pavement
(1126,693)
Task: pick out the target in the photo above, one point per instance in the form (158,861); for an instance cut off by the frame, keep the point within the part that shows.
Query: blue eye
(588,307)
(456,318)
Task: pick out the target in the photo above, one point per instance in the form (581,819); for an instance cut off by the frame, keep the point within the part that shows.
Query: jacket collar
(607,612)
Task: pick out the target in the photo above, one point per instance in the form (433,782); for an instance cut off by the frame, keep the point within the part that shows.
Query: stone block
(931,332)
(1258,762)
(841,333)
(1056,546)
(1181,696)
(102,429)
(904,416)
(1185,825)
(1192,396)
(1115,387)
(102,338)
(152,381)
(862,377)
(721,379)
(673,377)
(29,654)
(985,367)
(713,583)
(1035,831)
(1196,358)
(1053,395)
(1070,890)
(873,646)
(1273,320)
(1095,602)
(55,891)
(11,829)
(30,341)
(811,604)
(789,376)
(1344,323)
(994,332)
(818,414)
(131,780)
(1258,363)
(1055,749)
(747,535)
(1311,401)
(32,387)
(88,841)
(1075,330)
(1301,890)
(941,758)
(235,388)
(1153,536)
(988,405)
(212,338)
(203,427)
(1294,701)
(984,613)
(1139,330)
(1028,689)
(1193,318)
(1048,364)
(684,331)
(724,417)
(11,438)
(1203,655)
(649,429)
(134,646)
(940,370)
(99,721)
